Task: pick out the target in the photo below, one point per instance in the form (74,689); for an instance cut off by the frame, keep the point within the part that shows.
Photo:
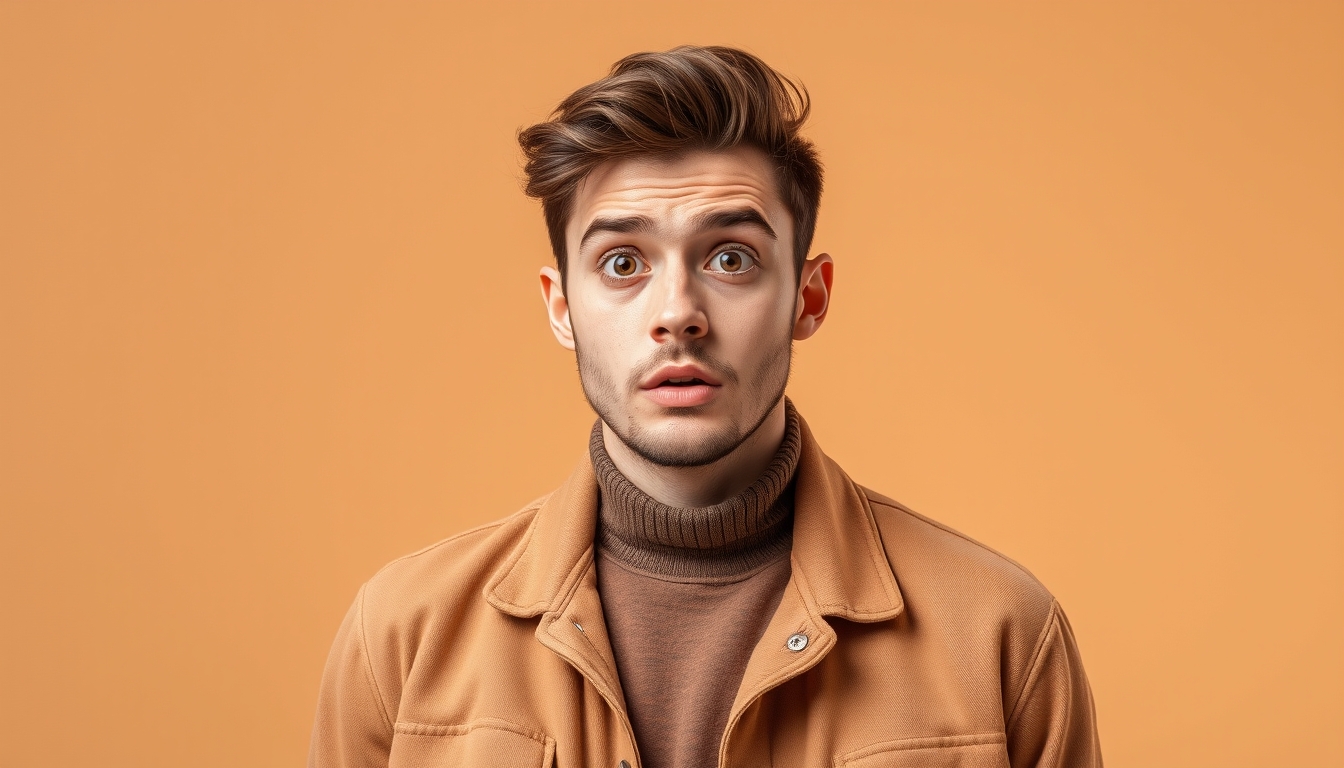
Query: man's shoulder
(453,570)
(936,563)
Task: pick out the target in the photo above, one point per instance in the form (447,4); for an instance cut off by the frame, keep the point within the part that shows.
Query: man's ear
(814,295)
(557,307)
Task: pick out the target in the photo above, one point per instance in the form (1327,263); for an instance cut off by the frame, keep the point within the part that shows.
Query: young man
(708,588)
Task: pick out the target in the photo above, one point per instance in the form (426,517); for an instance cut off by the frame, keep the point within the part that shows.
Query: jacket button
(797,642)
(624,764)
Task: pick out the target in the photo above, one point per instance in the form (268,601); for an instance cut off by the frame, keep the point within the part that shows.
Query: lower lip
(682,397)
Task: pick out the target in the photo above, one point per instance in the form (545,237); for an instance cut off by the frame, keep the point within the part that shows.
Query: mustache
(681,353)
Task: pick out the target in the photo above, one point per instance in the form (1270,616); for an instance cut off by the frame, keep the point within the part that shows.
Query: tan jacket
(898,642)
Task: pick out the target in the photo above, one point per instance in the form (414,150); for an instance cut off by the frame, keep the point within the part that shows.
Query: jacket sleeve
(352,728)
(1053,722)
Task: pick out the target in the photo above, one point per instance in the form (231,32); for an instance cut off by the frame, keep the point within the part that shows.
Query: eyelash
(609,255)
(750,253)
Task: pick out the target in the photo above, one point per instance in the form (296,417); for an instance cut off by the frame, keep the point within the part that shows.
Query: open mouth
(684,386)
(681,386)
(682,381)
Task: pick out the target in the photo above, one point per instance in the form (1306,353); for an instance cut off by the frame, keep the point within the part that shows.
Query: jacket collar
(838,561)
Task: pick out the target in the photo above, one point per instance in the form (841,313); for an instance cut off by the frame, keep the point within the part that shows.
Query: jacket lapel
(838,558)
(551,575)
(545,568)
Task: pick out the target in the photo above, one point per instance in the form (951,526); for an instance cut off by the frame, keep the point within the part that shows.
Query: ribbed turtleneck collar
(731,538)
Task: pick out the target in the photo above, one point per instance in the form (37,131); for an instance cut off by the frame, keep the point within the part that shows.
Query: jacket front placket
(553,578)
(796,640)
(577,633)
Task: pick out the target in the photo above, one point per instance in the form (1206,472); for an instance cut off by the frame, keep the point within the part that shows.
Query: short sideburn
(688,98)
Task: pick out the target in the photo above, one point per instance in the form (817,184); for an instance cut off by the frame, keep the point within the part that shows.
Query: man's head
(688,98)
(681,201)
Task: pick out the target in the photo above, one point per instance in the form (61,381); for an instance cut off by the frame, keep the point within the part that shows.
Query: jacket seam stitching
(412,728)
(829,608)
(368,665)
(922,743)
(1033,673)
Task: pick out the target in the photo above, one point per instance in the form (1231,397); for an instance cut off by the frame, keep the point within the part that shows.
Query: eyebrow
(627,225)
(733,218)
(623,225)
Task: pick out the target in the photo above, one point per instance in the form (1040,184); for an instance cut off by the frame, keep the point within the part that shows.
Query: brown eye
(622,265)
(733,261)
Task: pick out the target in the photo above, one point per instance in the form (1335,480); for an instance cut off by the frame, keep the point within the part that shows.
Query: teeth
(682,380)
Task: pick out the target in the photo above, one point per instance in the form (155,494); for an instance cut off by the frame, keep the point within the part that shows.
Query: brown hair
(665,103)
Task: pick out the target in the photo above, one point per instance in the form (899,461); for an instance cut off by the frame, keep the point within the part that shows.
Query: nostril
(693,330)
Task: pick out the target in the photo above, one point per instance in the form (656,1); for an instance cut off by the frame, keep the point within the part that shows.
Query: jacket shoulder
(936,564)
(449,573)
(1006,626)
(411,609)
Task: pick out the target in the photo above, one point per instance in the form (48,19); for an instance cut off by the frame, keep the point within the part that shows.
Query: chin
(682,444)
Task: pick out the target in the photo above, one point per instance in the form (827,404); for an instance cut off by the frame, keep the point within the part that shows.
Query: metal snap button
(624,764)
(797,642)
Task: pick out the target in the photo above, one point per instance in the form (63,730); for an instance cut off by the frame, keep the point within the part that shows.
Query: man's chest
(867,695)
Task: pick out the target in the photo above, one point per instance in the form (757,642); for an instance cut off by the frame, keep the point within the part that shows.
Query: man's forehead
(681,186)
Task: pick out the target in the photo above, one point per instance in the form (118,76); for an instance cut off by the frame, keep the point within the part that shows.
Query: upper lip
(678,372)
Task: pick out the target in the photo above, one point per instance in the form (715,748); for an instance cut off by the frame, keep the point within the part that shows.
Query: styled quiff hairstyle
(688,98)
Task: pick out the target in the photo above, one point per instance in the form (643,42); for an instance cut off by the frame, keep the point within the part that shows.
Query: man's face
(681,296)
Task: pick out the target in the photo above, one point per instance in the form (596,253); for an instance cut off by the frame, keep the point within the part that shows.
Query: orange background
(270,318)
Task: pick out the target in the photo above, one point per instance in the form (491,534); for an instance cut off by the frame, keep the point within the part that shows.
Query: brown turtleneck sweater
(686,594)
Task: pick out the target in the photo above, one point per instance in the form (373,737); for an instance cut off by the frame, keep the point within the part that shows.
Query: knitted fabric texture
(731,538)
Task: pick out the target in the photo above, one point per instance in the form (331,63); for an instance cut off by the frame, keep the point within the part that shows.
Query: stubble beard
(769,379)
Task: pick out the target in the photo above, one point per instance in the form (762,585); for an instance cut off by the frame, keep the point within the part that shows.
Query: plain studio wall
(269,318)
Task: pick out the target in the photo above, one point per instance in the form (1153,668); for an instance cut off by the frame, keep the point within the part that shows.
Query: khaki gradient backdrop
(269,318)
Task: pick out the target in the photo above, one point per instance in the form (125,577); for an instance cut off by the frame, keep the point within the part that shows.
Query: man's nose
(680,313)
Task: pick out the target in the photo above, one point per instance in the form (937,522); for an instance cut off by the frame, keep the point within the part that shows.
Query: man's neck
(706,485)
